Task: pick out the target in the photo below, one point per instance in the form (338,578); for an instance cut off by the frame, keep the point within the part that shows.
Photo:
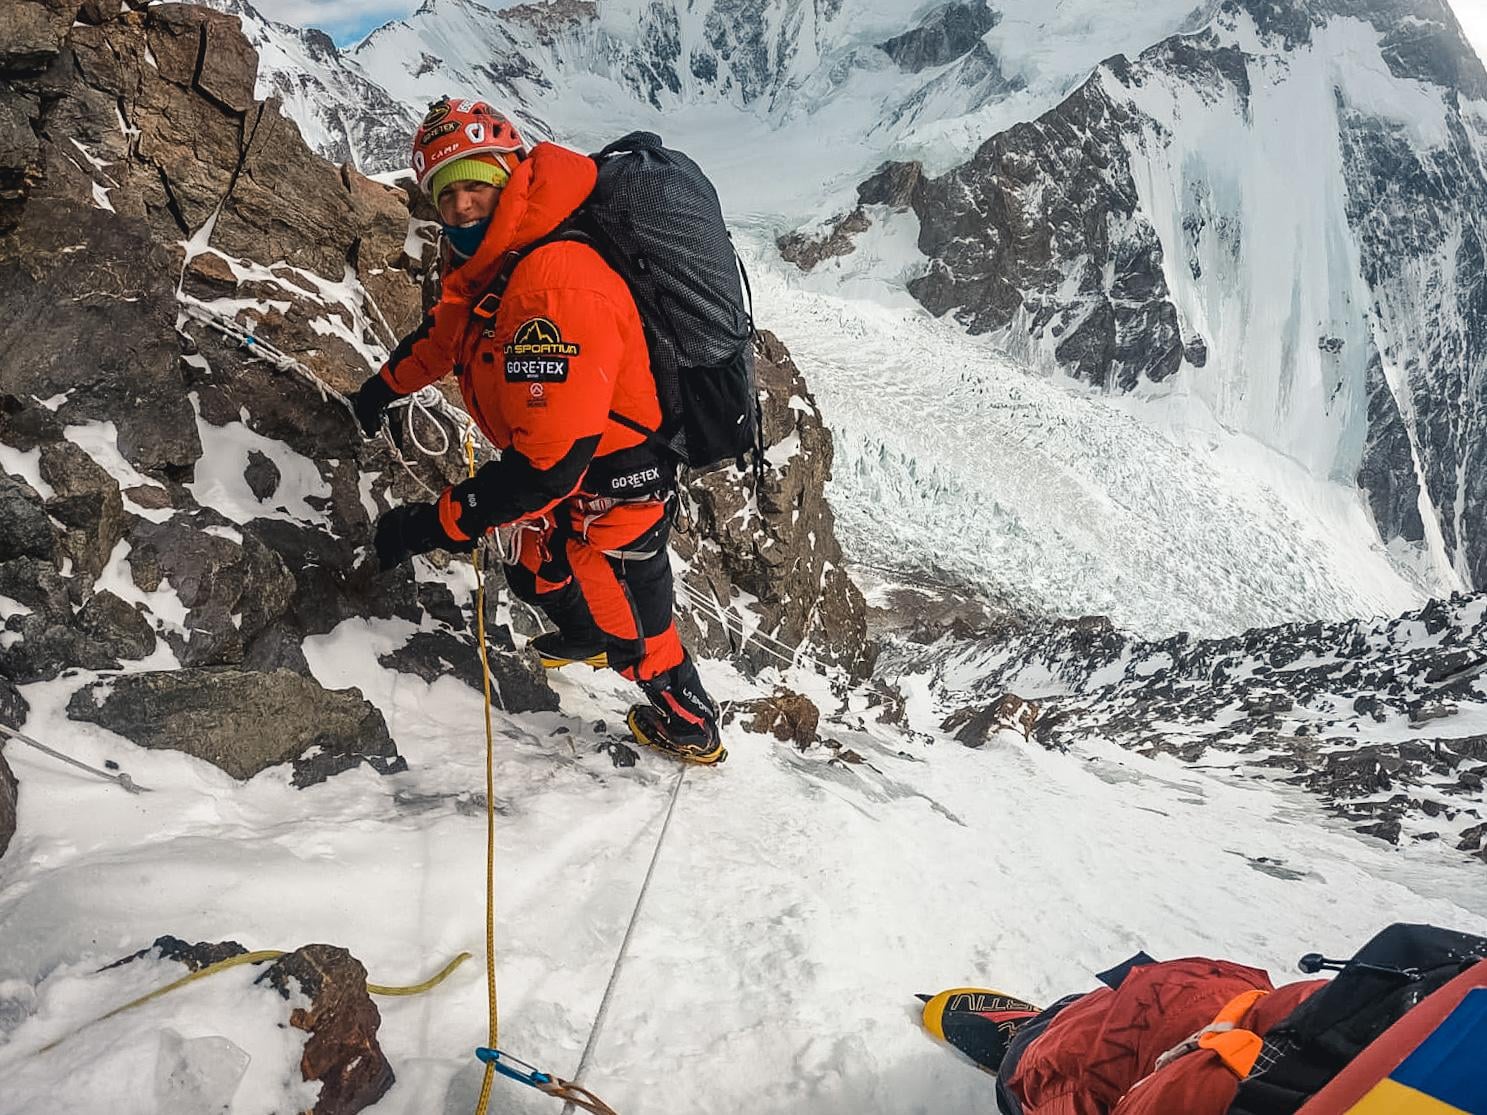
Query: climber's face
(466,202)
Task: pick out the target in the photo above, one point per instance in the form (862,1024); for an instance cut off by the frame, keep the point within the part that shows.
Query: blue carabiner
(532,1077)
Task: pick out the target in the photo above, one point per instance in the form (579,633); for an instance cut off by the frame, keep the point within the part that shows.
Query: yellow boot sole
(599,661)
(712,758)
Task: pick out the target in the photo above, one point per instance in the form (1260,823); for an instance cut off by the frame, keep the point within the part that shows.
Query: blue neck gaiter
(465,241)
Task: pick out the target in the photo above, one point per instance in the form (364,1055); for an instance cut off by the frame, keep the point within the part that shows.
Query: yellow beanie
(474,168)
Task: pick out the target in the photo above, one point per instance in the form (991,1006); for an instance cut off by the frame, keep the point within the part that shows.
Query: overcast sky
(349,20)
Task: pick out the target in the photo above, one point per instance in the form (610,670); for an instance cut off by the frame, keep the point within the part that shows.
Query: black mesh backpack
(655,218)
(1397,970)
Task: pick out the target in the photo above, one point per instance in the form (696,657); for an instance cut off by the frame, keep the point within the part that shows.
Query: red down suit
(540,370)
(1099,1054)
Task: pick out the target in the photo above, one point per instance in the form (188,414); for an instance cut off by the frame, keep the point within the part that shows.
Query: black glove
(412,529)
(369,401)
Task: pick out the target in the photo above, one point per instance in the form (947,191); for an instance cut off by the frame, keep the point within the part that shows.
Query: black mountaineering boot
(681,718)
(556,648)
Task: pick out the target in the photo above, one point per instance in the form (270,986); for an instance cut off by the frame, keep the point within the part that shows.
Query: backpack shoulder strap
(571,230)
(490,301)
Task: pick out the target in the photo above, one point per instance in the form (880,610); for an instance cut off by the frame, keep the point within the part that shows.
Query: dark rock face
(28,532)
(806,251)
(118,628)
(233,589)
(1387,473)
(1402,205)
(975,725)
(894,185)
(1352,712)
(519,682)
(9,795)
(262,475)
(87,502)
(342,1052)
(782,550)
(1044,221)
(196,956)
(945,34)
(31,33)
(13,707)
(243,722)
(80,280)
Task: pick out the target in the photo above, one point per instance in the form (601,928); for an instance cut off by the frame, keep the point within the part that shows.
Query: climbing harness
(253,958)
(121,778)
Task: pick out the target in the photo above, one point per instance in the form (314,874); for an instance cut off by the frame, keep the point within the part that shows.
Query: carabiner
(532,1077)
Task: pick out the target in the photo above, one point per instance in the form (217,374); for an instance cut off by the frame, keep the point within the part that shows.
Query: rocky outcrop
(13,707)
(789,717)
(975,725)
(243,722)
(194,955)
(777,545)
(518,679)
(945,34)
(342,1053)
(894,185)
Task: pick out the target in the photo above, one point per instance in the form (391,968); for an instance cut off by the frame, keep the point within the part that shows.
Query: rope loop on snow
(257,957)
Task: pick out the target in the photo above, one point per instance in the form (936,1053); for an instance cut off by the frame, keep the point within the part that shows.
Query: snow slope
(797,904)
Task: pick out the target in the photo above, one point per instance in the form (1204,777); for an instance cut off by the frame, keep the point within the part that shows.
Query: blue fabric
(1117,975)
(1447,1064)
(465,241)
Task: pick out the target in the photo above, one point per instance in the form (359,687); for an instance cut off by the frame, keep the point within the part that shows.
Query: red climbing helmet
(459,129)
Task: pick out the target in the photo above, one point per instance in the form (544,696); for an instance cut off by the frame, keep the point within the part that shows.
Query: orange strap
(1238,1049)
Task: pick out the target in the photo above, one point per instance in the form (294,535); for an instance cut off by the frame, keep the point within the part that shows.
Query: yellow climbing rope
(254,958)
(566,1090)
(493,1037)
